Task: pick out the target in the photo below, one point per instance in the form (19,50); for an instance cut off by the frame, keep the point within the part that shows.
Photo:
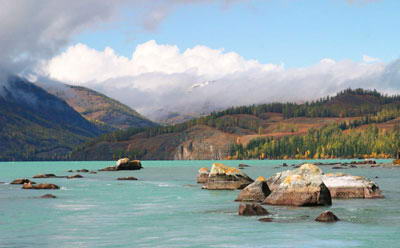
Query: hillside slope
(35,125)
(105,112)
(224,134)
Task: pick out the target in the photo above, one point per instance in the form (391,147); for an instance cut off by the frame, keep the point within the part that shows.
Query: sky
(196,56)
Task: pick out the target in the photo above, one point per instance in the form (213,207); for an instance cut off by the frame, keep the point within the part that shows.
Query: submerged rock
(40,186)
(241,166)
(327,216)
(256,191)
(202,177)
(48,196)
(266,219)
(44,176)
(83,170)
(346,186)
(127,178)
(110,168)
(22,181)
(222,177)
(75,176)
(251,210)
(300,187)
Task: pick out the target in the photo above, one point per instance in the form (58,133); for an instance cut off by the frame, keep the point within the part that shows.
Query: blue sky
(296,33)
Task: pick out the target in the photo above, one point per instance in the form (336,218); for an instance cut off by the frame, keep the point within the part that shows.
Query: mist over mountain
(159,80)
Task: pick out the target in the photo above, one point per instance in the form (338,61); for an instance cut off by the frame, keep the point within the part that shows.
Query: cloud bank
(159,79)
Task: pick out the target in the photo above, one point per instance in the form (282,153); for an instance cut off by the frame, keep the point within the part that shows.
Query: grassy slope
(102,110)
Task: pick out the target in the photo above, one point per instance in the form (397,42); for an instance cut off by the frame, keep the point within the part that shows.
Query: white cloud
(368,59)
(159,79)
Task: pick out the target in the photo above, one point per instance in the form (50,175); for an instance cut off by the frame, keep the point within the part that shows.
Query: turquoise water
(166,208)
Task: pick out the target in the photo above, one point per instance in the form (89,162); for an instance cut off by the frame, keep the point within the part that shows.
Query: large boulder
(327,216)
(40,186)
(124,164)
(300,190)
(252,209)
(305,169)
(22,181)
(202,177)
(346,186)
(223,177)
(255,192)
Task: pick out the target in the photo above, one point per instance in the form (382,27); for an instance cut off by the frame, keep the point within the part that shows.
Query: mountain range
(41,121)
(247,131)
(44,123)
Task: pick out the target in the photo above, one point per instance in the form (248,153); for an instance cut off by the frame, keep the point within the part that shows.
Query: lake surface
(166,208)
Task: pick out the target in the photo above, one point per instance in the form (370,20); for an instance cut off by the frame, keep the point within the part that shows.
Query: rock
(284,165)
(251,210)
(92,172)
(111,168)
(243,166)
(22,181)
(299,187)
(127,178)
(338,167)
(75,176)
(44,176)
(352,166)
(83,170)
(327,216)
(48,196)
(256,191)
(300,190)
(346,186)
(40,186)
(266,219)
(202,177)
(124,164)
(305,169)
(70,171)
(122,161)
(222,177)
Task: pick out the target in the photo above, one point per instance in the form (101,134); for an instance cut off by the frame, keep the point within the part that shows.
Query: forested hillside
(268,126)
(35,125)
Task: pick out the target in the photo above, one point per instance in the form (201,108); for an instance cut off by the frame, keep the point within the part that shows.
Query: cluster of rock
(124,164)
(306,185)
